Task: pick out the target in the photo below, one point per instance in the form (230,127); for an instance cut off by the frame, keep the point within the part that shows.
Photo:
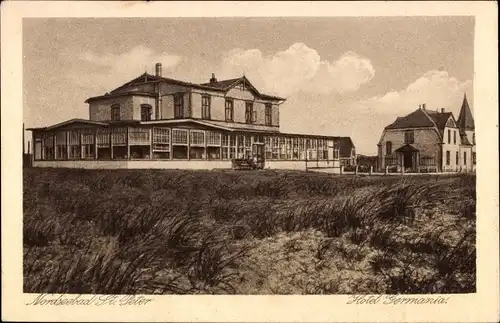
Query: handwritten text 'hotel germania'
(396,299)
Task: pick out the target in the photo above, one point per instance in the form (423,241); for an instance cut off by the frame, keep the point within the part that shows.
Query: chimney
(158,69)
(213,79)
(423,106)
(442,110)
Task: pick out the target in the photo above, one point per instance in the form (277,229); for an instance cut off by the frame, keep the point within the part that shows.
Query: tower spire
(465,120)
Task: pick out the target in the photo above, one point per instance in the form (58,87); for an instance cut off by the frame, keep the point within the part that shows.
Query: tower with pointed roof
(465,121)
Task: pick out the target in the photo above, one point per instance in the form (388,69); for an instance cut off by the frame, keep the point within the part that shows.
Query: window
(248,112)
(456,158)
(205,107)
(103,141)
(88,144)
(197,138)
(269,115)
(179,143)
(474,138)
(146,111)
(409,137)
(119,139)
(465,158)
(473,158)
(179,105)
(161,143)
(179,137)
(115,112)
(213,138)
(229,109)
(302,150)
(448,157)
(449,136)
(388,148)
(61,147)
(48,146)
(213,145)
(74,144)
(454,137)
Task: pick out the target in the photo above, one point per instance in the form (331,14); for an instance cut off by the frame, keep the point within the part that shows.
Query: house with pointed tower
(154,121)
(429,141)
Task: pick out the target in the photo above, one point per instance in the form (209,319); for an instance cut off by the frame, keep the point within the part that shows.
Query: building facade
(429,141)
(158,122)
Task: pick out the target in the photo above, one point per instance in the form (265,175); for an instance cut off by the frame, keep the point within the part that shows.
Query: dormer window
(146,112)
(115,112)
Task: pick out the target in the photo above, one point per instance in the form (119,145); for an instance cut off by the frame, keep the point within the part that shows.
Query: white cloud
(112,69)
(435,88)
(364,120)
(299,68)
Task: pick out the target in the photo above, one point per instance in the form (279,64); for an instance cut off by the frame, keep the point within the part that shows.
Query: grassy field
(265,232)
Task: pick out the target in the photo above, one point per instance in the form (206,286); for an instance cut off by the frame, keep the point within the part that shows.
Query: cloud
(112,69)
(437,89)
(364,120)
(299,69)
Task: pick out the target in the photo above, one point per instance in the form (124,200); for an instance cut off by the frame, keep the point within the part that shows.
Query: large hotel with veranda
(158,122)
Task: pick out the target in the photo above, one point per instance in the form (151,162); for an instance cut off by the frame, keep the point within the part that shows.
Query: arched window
(146,111)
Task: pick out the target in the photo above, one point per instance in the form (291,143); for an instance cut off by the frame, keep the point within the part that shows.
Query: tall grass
(166,231)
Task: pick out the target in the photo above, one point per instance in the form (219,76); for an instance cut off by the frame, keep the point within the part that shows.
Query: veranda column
(205,135)
(95,143)
(151,143)
(68,134)
(111,143)
(221,152)
(54,157)
(128,142)
(189,144)
(237,147)
(80,142)
(170,148)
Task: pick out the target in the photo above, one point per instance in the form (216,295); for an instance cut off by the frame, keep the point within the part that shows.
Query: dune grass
(264,232)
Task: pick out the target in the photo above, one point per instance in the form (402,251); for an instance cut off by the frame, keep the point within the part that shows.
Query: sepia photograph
(256,155)
(188,156)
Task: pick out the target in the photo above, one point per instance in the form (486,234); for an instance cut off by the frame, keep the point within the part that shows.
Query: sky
(342,76)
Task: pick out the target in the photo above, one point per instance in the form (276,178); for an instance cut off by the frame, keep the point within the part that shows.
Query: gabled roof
(465,119)
(416,119)
(220,86)
(440,118)
(345,146)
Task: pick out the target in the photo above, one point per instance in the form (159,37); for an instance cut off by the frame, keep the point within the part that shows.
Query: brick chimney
(158,69)
(213,79)
(423,106)
(442,110)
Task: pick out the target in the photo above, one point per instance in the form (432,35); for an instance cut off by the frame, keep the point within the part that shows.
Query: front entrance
(408,157)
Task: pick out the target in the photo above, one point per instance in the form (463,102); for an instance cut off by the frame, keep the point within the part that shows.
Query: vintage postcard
(250,161)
